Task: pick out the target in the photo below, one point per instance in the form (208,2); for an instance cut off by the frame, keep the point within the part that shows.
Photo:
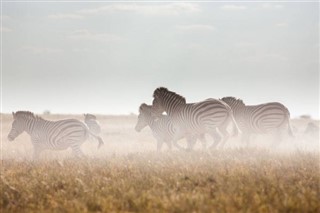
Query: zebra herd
(211,116)
(182,120)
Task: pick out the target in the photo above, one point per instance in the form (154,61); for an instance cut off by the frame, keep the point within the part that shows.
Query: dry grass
(127,175)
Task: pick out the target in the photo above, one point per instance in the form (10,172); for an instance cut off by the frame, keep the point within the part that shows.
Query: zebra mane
(27,114)
(162,91)
(232,99)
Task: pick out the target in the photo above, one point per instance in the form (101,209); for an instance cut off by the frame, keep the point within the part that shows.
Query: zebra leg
(225,134)
(216,139)
(77,151)
(191,141)
(203,141)
(177,145)
(176,137)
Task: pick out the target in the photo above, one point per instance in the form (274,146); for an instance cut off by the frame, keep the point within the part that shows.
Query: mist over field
(128,175)
(63,59)
(121,139)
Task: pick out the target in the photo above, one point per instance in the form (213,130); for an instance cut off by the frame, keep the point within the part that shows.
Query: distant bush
(46,112)
(305,116)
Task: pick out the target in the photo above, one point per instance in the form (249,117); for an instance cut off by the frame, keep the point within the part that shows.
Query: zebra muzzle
(10,138)
(137,129)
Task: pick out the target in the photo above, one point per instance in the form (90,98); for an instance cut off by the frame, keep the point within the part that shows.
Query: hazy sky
(109,57)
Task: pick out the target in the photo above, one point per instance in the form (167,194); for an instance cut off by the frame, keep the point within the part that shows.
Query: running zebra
(190,120)
(269,118)
(92,123)
(54,135)
(161,127)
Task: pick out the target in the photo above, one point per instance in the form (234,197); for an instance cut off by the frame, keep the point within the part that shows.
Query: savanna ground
(128,175)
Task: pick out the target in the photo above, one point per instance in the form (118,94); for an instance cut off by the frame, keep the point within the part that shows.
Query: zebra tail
(290,132)
(101,143)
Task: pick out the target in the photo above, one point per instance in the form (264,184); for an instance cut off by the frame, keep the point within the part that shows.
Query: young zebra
(161,127)
(269,118)
(92,123)
(194,119)
(54,135)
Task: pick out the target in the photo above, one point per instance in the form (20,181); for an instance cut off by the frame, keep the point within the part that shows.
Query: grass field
(128,175)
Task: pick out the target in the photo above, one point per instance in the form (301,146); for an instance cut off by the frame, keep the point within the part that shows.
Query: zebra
(312,129)
(193,119)
(92,123)
(54,135)
(267,118)
(311,132)
(161,127)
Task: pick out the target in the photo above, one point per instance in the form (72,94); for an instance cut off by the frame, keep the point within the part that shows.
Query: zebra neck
(33,125)
(151,122)
(174,108)
(88,120)
(30,126)
(239,112)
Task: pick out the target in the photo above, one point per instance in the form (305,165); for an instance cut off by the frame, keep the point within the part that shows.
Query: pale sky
(109,57)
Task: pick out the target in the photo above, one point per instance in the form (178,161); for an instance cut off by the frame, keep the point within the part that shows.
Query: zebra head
(144,117)
(157,103)
(18,126)
(89,117)
(167,101)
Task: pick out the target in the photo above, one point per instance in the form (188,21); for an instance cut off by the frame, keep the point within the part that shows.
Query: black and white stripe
(267,118)
(161,127)
(54,135)
(194,119)
(92,123)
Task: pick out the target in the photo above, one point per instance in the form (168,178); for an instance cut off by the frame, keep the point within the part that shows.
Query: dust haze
(128,174)
(63,59)
(121,139)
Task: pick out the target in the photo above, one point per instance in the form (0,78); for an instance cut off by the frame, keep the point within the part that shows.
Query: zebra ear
(142,106)
(13,115)
(156,94)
